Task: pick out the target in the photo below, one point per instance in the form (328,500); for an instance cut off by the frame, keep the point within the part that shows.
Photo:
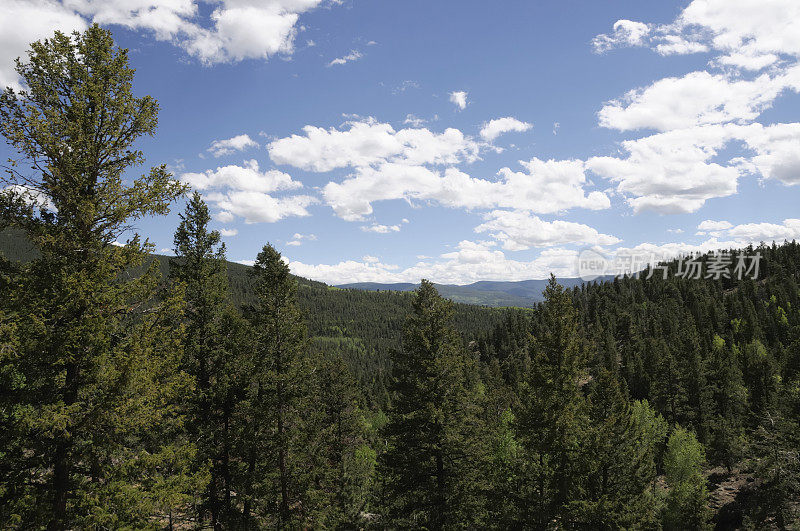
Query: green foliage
(687,495)
(617,462)
(762,376)
(435,447)
(340,463)
(279,379)
(775,449)
(729,396)
(92,357)
(553,409)
(213,361)
(650,432)
(246,398)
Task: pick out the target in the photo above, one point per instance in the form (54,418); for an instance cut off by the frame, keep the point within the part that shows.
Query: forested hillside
(142,392)
(361,326)
(720,358)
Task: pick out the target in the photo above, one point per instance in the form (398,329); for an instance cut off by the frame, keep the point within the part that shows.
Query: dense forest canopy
(150,392)
(362,326)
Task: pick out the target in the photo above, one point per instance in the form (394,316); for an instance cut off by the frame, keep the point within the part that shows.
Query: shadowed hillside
(363,325)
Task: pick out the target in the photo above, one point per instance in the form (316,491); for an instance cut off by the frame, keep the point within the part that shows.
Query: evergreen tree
(729,396)
(280,377)
(506,458)
(553,411)
(93,371)
(777,465)
(199,266)
(761,376)
(432,464)
(693,371)
(340,463)
(650,432)
(617,466)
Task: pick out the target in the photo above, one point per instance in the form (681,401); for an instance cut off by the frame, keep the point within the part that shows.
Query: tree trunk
(282,468)
(60,487)
(226,470)
(251,464)
(440,508)
(61,458)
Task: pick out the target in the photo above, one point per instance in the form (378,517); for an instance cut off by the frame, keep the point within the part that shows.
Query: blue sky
(462,140)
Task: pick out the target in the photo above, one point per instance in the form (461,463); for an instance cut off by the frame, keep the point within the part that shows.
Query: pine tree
(617,471)
(553,412)
(199,266)
(93,372)
(729,396)
(761,376)
(506,465)
(432,465)
(340,463)
(279,386)
(650,432)
(669,389)
(777,466)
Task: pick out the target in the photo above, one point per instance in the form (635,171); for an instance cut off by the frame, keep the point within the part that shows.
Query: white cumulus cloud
(370,142)
(247,177)
(698,116)
(380,229)
(625,33)
(245,191)
(494,128)
(257,207)
(518,230)
(469,262)
(711,225)
(679,170)
(671,172)
(750,34)
(777,151)
(299,238)
(697,98)
(459,99)
(228,146)
(753,233)
(26,21)
(229,30)
(545,187)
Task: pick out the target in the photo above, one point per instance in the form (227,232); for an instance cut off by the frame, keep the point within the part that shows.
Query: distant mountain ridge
(498,294)
(522,293)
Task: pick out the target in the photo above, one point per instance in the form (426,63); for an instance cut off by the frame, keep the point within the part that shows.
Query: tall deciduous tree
(92,369)
(687,496)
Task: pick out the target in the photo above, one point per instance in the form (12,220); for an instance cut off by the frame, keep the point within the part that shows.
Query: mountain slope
(523,293)
(364,326)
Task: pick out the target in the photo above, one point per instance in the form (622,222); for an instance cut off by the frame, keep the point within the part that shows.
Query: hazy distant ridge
(522,293)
